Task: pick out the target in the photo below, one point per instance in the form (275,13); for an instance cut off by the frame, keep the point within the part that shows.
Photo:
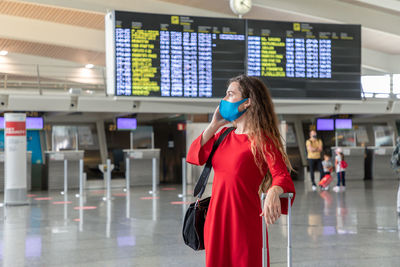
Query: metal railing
(381,86)
(48,78)
(58,79)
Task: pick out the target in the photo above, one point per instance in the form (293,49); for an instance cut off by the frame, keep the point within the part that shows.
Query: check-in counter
(140,165)
(355,158)
(381,166)
(28,170)
(55,168)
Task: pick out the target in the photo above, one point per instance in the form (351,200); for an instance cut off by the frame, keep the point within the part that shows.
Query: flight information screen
(177,56)
(305,60)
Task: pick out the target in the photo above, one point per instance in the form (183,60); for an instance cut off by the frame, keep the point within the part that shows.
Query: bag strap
(202,182)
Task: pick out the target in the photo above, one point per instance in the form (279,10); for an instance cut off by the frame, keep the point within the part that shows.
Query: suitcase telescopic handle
(289,196)
(284,195)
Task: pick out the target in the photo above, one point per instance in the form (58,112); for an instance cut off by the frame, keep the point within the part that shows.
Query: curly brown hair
(262,124)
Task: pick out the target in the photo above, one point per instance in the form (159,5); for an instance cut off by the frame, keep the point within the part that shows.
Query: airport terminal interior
(100,102)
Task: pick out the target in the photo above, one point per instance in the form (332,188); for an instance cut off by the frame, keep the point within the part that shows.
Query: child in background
(328,168)
(340,166)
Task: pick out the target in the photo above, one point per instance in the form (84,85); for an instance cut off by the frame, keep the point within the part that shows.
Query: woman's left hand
(272,205)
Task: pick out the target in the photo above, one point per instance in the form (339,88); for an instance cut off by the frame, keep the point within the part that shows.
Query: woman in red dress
(251,159)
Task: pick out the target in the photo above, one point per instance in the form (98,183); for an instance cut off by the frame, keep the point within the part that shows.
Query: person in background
(396,166)
(314,149)
(340,166)
(327,166)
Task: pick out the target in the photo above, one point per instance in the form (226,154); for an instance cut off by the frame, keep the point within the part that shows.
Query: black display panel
(306,60)
(177,56)
(184,56)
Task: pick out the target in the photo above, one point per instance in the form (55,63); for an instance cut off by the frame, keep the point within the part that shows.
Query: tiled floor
(357,228)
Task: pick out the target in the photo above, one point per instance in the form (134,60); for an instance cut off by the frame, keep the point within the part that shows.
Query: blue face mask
(230,111)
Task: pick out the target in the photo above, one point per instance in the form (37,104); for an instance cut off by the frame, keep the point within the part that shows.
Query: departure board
(305,60)
(155,55)
(177,56)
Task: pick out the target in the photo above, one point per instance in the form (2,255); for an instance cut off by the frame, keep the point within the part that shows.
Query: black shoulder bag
(195,217)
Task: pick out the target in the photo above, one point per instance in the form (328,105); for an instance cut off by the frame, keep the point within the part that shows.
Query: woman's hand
(216,123)
(217,120)
(272,205)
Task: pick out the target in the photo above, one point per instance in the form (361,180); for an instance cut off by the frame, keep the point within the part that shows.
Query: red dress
(232,231)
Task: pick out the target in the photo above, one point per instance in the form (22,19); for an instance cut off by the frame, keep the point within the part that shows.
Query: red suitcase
(326,180)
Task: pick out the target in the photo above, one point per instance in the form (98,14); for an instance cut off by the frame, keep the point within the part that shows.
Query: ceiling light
(89,66)
(3,52)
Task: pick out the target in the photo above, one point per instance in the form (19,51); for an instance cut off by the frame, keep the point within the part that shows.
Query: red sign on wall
(181,126)
(15,128)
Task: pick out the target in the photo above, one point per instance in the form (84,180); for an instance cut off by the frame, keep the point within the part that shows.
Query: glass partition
(87,138)
(345,138)
(141,138)
(291,136)
(64,138)
(384,136)
(362,136)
